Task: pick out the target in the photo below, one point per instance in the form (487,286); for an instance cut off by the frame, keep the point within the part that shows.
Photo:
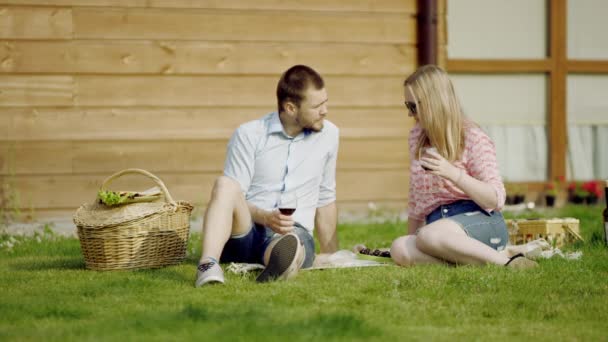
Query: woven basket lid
(98,215)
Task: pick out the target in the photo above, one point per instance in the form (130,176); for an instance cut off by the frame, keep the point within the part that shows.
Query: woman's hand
(439,166)
(279,223)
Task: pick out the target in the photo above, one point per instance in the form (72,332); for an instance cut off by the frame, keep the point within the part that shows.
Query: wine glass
(287,203)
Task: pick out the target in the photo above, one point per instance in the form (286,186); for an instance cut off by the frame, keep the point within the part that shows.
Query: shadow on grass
(334,324)
(168,274)
(54,264)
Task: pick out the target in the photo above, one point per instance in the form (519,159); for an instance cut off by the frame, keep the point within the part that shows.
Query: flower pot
(591,200)
(550,200)
(576,199)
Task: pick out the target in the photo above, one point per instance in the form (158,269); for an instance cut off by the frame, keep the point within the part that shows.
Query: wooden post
(558,133)
(427,32)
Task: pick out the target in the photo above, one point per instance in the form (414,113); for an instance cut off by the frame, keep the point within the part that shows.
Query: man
(289,152)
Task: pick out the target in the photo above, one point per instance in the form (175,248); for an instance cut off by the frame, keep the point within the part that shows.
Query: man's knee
(399,252)
(225,185)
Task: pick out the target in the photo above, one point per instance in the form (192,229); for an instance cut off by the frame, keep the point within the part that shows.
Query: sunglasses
(411,106)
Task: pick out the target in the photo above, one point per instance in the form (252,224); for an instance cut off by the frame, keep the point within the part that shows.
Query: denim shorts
(487,227)
(250,247)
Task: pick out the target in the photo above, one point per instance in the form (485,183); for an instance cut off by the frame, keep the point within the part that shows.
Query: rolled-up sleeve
(413,210)
(327,188)
(240,158)
(483,166)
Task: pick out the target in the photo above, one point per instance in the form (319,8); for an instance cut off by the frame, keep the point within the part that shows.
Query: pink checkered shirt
(427,191)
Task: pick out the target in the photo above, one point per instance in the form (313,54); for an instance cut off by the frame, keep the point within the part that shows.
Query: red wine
(287,211)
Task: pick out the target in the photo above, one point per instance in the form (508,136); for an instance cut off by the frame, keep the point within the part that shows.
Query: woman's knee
(428,239)
(399,251)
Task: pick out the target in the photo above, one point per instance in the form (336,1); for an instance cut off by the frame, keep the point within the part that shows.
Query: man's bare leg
(227,215)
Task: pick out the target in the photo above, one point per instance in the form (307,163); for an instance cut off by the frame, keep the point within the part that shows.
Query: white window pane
(495,29)
(512,110)
(587,27)
(587,100)
(516,99)
(601,151)
(580,152)
(521,151)
(587,126)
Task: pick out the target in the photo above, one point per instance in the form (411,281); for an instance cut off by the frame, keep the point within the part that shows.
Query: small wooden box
(557,231)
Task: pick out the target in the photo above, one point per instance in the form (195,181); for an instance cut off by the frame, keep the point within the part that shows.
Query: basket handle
(156,180)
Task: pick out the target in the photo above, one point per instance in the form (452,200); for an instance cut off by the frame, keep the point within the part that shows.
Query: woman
(456,191)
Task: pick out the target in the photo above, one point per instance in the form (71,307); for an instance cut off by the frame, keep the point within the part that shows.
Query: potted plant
(510,194)
(520,193)
(554,190)
(576,193)
(515,193)
(593,191)
(550,193)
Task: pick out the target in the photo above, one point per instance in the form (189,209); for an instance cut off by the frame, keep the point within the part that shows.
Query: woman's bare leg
(444,239)
(405,253)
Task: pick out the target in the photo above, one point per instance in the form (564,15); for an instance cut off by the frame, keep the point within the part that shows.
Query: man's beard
(315,127)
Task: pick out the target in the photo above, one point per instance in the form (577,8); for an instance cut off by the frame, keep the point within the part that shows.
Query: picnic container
(557,231)
(136,235)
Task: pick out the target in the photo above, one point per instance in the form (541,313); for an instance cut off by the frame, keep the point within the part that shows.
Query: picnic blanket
(537,249)
(340,259)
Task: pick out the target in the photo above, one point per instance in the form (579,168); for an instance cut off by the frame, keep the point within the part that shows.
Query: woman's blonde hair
(439,112)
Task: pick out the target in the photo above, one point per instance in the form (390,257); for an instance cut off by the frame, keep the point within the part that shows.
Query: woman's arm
(484,193)
(413,225)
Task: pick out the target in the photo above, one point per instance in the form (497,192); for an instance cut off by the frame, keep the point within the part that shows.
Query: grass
(47,294)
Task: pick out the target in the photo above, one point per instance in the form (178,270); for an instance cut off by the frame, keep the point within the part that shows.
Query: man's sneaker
(286,259)
(209,272)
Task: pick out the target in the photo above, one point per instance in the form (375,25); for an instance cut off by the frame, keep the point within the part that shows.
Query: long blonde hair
(439,112)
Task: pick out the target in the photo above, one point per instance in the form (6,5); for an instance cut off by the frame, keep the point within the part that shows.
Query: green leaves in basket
(113,198)
(110,197)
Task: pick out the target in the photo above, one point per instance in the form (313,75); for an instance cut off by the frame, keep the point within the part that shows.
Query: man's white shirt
(266,162)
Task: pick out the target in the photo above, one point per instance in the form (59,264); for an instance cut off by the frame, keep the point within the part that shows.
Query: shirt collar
(275,126)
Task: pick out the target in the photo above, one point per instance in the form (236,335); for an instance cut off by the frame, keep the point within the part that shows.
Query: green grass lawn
(45,293)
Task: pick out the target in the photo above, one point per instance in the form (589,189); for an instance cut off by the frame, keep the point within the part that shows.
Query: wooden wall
(89,87)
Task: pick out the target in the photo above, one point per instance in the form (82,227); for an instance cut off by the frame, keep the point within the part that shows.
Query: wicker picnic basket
(557,231)
(136,235)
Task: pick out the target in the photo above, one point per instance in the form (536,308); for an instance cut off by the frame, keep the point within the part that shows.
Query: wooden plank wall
(89,87)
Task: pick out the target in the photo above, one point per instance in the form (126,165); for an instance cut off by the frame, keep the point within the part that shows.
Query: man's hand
(279,223)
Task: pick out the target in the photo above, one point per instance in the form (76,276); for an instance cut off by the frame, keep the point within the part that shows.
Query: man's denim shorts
(488,228)
(250,247)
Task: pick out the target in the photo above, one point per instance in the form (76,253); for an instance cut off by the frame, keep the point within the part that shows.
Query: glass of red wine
(288,201)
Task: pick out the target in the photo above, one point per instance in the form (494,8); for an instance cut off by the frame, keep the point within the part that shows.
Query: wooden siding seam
(412,12)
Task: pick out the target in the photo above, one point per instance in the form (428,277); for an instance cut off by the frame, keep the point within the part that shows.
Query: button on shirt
(266,162)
